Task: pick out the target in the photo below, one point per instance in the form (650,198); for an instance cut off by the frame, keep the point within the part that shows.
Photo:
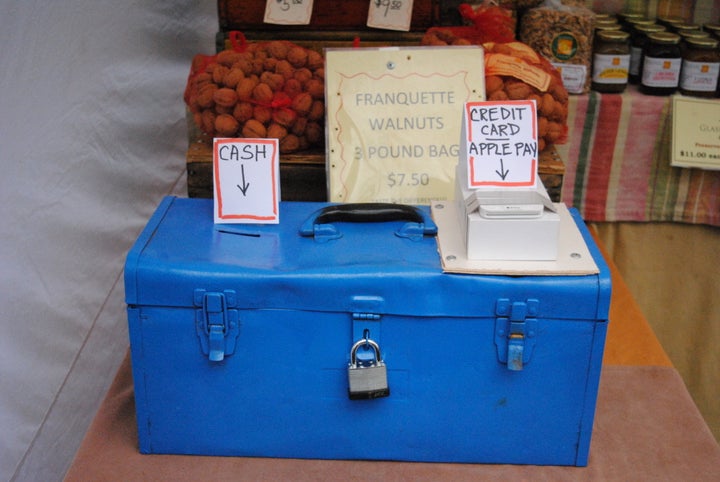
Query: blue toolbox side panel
(283,393)
(241,338)
(138,362)
(132,260)
(598,345)
(603,277)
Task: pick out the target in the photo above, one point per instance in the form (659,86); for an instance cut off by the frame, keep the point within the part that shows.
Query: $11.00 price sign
(695,133)
(501,143)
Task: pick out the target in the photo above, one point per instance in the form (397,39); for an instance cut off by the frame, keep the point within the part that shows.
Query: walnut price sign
(394,121)
(288,12)
(390,14)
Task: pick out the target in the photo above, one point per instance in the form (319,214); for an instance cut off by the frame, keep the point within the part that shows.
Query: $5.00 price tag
(288,12)
(390,14)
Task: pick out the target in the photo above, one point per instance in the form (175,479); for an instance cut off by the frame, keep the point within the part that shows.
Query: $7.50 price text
(410,179)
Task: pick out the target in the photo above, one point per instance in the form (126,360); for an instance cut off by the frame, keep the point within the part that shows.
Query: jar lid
(694,34)
(625,17)
(647,29)
(664,38)
(686,26)
(671,20)
(681,31)
(640,21)
(702,42)
(599,17)
(613,35)
(607,25)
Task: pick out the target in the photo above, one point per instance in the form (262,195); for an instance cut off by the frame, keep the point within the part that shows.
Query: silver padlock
(367,381)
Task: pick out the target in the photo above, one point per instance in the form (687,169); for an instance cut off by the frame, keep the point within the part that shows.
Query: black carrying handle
(367,213)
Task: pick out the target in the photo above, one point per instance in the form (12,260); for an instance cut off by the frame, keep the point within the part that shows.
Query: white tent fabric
(92,135)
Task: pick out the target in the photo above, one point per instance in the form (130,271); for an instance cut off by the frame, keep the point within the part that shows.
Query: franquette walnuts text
(408,99)
(385,102)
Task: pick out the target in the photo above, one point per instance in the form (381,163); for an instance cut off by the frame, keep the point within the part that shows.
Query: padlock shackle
(368,342)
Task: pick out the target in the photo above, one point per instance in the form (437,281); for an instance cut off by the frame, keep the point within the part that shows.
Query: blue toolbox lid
(333,267)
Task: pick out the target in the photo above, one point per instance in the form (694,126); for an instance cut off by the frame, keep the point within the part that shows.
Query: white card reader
(511,211)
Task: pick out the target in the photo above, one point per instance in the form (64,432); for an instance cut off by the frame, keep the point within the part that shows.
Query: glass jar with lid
(689,35)
(670,21)
(606,25)
(684,34)
(686,27)
(624,18)
(600,17)
(611,61)
(638,39)
(700,67)
(631,24)
(713,29)
(661,64)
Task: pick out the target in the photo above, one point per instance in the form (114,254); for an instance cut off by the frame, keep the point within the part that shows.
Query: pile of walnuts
(273,89)
(551,102)
(443,37)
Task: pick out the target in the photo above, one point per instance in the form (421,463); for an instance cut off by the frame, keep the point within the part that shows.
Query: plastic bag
(488,23)
(564,35)
(514,71)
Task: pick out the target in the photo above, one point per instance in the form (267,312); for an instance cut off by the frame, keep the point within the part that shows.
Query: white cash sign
(501,143)
(246,181)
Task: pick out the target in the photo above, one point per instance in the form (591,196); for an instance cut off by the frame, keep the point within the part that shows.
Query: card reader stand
(511,224)
(514,234)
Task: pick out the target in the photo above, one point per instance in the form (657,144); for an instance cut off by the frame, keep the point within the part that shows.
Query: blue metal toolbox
(336,334)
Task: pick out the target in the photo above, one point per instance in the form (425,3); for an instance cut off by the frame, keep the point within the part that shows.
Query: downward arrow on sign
(502,172)
(246,185)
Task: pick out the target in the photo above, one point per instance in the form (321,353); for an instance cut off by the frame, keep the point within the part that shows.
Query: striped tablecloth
(617,163)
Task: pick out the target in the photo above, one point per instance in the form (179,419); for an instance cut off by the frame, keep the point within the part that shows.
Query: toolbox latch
(216,323)
(515,331)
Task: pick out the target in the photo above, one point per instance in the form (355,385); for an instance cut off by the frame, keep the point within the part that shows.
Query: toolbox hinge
(366,325)
(216,322)
(366,321)
(515,331)
(366,316)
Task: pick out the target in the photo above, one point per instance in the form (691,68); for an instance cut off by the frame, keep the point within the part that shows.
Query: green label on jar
(564,46)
